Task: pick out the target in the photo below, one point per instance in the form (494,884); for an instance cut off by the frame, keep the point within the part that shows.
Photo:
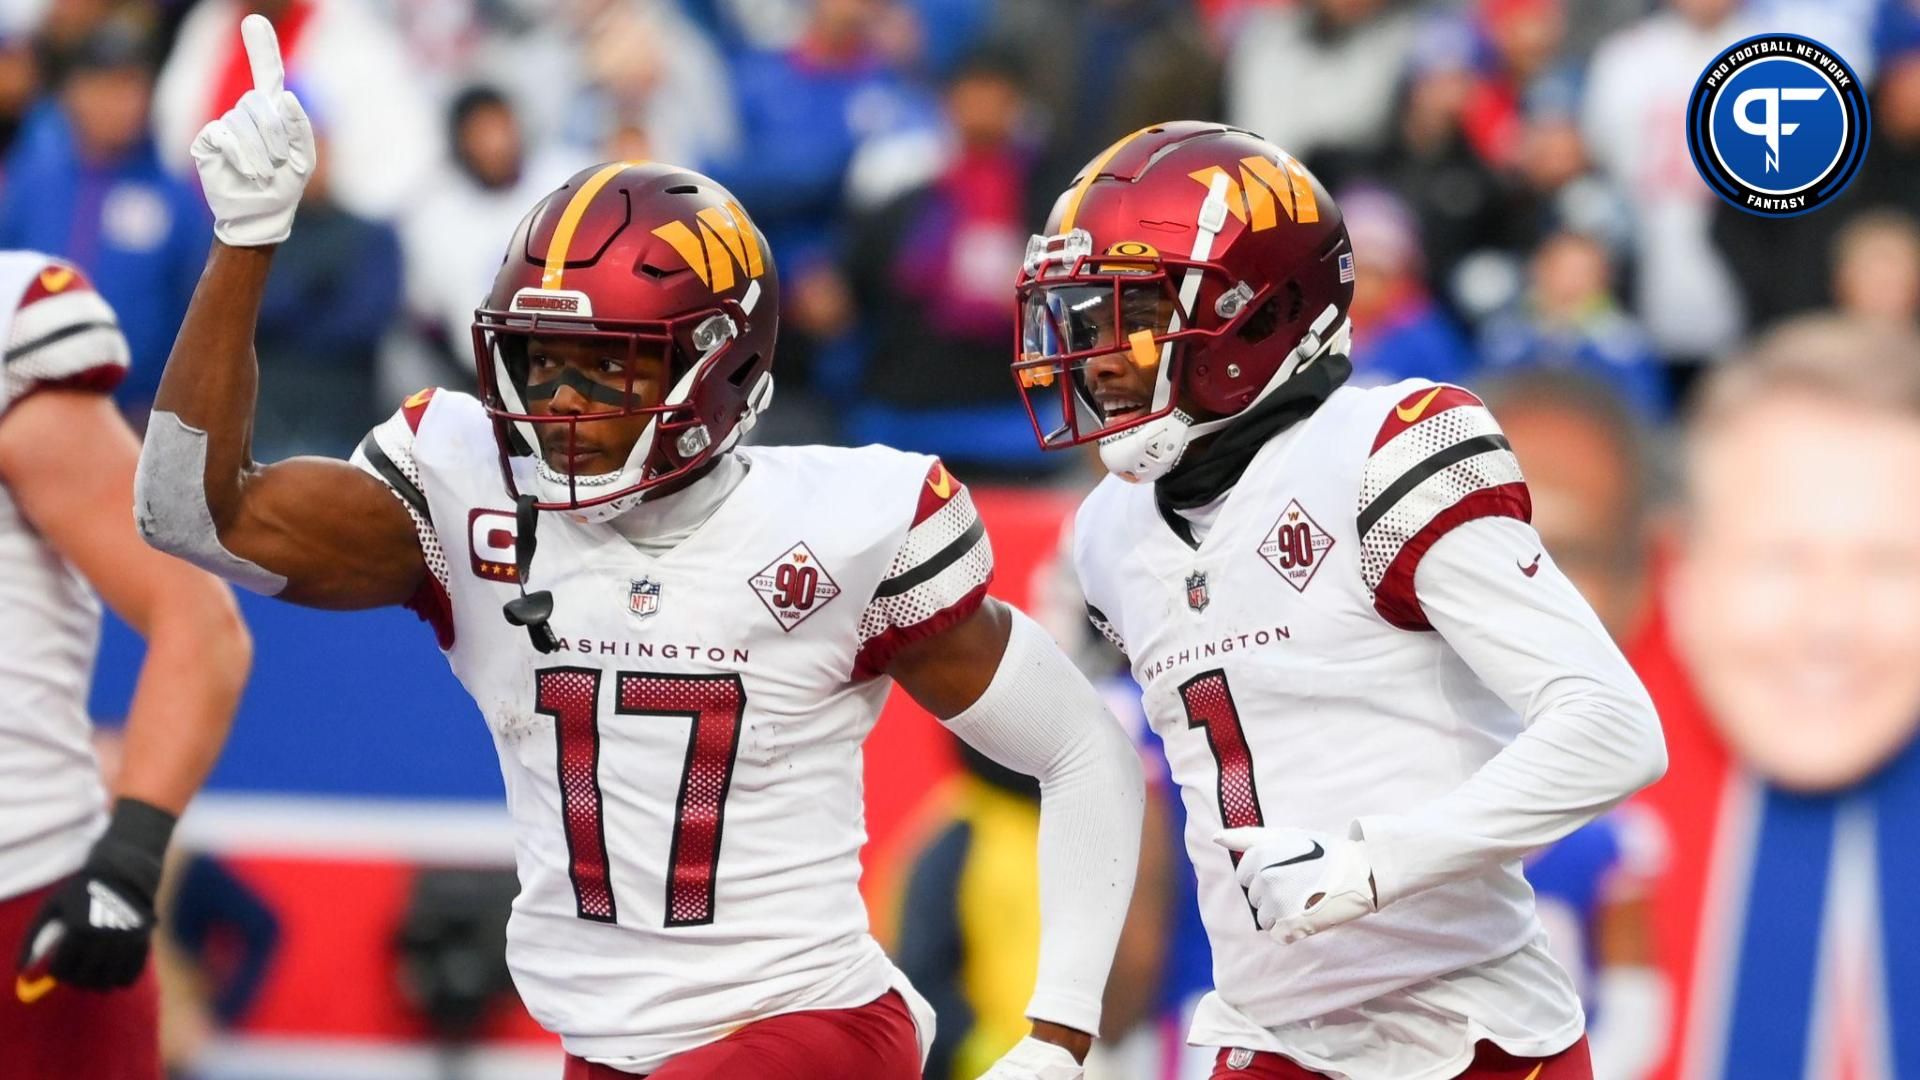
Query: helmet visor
(1092,355)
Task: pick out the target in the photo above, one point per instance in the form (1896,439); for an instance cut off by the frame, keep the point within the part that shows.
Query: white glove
(255,160)
(1032,1059)
(1298,882)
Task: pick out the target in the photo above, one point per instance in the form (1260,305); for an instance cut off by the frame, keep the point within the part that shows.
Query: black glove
(105,911)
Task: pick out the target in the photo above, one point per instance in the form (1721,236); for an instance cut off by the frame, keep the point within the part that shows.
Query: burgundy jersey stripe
(415,407)
(1419,405)
(877,653)
(937,492)
(99,379)
(57,279)
(1395,599)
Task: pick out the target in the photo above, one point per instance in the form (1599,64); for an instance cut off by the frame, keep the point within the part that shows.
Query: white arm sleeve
(1041,717)
(1592,737)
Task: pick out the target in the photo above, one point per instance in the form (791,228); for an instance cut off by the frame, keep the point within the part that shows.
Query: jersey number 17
(716,705)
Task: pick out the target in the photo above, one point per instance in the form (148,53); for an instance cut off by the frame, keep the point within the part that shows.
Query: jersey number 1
(715,704)
(1209,705)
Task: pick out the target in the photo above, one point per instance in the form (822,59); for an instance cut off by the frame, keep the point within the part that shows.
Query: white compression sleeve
(170,504)
(1592,737)
(1041,717)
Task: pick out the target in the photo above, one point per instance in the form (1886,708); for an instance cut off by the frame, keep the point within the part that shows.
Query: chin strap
(1206,474)
(530,610)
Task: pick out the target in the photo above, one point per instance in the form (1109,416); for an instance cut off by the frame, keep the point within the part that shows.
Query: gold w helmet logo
(726,240)
(1261,186)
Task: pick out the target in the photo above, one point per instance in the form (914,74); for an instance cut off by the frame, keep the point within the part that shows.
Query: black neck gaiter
(1205,476)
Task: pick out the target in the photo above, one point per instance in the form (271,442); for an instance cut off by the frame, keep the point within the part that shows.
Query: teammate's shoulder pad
(58,277)
(1438,461)
(62,333)
(433,414)
(881,473)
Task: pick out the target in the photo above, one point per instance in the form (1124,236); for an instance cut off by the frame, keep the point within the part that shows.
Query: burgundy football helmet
(1197,252)
(640,256)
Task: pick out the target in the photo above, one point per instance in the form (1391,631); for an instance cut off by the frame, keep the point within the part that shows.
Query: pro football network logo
(1778,125)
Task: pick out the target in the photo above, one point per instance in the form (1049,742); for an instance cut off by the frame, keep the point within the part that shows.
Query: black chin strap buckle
(531,610)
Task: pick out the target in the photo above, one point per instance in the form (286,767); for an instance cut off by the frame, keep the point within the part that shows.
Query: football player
(678,645)
(77,878)
(1375,689)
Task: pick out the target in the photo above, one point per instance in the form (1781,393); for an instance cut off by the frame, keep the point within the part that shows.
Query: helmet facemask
(624,358)
(1104,343)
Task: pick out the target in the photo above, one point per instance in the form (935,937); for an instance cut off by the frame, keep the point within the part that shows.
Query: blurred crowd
(1513,172)
(1525,218)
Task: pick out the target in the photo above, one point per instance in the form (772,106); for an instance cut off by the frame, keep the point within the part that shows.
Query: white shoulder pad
(60,333)
(938,576)
(1438,460)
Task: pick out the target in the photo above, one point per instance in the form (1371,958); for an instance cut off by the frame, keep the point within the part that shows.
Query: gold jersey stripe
(556,268)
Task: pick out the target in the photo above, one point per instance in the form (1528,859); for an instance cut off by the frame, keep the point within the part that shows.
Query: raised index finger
(263,54)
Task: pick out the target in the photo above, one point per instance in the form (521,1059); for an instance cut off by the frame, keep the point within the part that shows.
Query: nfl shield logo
(1239,1058)
(644,598)
(1197,590)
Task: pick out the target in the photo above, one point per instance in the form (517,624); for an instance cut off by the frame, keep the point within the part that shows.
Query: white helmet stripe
(1212,218)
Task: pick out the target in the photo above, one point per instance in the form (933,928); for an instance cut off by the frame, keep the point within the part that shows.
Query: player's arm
(1133,988)
(311,530)
(1592,737)
(998,681)
(68,458)
(1444,527)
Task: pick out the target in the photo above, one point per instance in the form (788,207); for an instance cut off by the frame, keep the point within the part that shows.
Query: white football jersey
(1290,673)
(684,774)
(59,333)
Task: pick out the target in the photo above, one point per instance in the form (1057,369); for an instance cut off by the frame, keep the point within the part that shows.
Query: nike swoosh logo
(1308,857)
(1532,569)
(941,484)
(32,990)
(1409,415)
(1537,1070)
